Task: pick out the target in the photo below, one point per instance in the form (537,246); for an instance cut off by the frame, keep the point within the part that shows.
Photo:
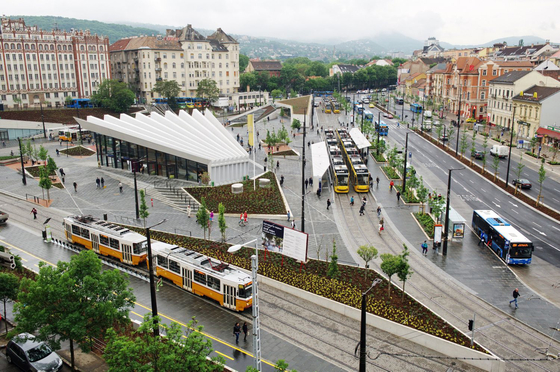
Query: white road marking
(537,224)
(515,205)
(513,210)
(497,205)
(540,232)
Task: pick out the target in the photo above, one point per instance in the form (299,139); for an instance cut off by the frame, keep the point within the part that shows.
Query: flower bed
(346,289)
(391,173)
(260,201)
(427,223)
(380,158)
(77,151)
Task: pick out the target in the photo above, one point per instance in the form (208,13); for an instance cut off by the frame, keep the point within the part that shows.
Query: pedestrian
(236,332)
(245,217)
(34,212)
(482,238)
(142,169)
(398,196)
(515,295)
(237,136)
(277,164)
(381,227)
(311,181)
(391,184)
(189,210)
(377,180)
(120,187)
(306,182)
(75,186)
(57,152)
(62,179)
(328,203)
(352,200)
(260,146)
(362,209)
(102,183)
(424,248)
(294,224)
(288,213)
(211,216)
(281,181)
(378,211)
(97,182)
(364,201)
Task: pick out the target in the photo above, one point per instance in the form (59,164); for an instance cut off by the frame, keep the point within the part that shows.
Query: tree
(296,124)
(484,148)
(28,150)
(222,221)
(464,143)
(281,366)
(519,169)
(404,272)
(473,145)
(208,89)
(496,166)
(202,216)
(75,301)
(367,253)
(143,209)
(439,131)
(9,286)
(246,81)
(276,94)
(332,271)
(422,193)
(437,204)
(533,144)
(243,62)
(290,78)
(45,182)
(51,166)
(554,150)
(114,95)
(42,153)
(390,266)
(172,352)
(542,177)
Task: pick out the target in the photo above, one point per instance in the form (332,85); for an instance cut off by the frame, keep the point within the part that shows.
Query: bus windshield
(521,250)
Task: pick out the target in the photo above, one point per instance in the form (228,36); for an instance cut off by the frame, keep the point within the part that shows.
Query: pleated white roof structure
(197,137)
(359,139)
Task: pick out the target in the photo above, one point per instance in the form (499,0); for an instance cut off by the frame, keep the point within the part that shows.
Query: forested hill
(113,30)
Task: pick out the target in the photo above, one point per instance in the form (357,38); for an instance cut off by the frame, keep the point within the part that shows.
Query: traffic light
(471,324)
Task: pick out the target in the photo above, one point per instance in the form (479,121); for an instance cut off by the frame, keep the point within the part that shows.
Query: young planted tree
(473,145)
(332,271)
(9,288)
(271,139)
(533,144)
(404,272)
(42,153)
(422,194)
(464,143)
(45,181)
(172,352)
(437,203)
(519,170)
(542,177)
(439,131)
(222,221)
(296,124)
(51,166)
(29,150)
(554,150)
(496,166)
(390,266)
(202,216)
(143,209)
(484,152)
(75,301)
(367,253)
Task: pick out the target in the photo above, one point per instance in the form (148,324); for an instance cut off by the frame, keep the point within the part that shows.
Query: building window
(483,72)
(494,72)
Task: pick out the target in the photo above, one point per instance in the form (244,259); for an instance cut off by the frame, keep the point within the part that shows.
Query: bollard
(104,216)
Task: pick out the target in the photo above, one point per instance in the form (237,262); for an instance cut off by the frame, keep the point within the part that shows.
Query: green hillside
(113,30)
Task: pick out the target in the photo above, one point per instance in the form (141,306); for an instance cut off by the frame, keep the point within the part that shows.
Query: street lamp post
(405,161)
(152,281)
(255,307)
(303,172)
(363,327)
(378,128)
(510,144)
(446,228)
(24,180)
(43,120)
(135,164)
(458,123)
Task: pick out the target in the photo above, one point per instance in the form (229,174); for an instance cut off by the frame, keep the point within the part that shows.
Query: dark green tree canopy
(167,88)
(207,88)
(114,95)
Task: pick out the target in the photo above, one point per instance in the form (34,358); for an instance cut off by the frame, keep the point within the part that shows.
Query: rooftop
(536,94)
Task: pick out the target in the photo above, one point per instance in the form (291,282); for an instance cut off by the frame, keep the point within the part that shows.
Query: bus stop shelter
(321,163)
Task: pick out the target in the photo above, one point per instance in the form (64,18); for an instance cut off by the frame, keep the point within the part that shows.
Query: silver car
(32,355)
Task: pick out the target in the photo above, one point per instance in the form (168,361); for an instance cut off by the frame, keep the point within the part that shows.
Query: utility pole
(24,180)
(378,128)
(459,122)
(405,163)
(303,172)
(43,120)
(510,144)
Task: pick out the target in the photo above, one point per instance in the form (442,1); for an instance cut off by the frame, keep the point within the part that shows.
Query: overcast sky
(461,22)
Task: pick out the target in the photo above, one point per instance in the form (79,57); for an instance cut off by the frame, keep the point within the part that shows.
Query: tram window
(199,277)
(85,233)
(162,261)
(174,266)
(114,243)
(213,283)
(140,247)
(76,230)
(103,240)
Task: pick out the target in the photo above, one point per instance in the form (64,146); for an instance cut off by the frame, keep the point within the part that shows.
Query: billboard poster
(284,240)
(458,230)
(438,231)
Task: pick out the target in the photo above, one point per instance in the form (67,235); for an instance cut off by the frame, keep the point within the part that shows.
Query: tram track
(428,294)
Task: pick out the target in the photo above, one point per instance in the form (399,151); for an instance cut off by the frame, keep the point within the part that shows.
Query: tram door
(229,297)
(95,243)
(126,253)
(187,279)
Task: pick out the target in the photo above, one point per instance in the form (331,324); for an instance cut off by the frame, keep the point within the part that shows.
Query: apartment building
(183,55)
(536,113)
(48,66)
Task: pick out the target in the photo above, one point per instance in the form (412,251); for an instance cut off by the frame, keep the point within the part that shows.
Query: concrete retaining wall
(450,349)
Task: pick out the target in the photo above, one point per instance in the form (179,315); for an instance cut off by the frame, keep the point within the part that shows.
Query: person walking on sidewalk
(245,331)
(120,187)
(425,248)
(328,203)
(362,209)
(236,332)
(378,211)
(306,183)
(352,200)
(75,186)
(288,213)
(34,212)
(189,210)
(391,184)
(515,296)
(398,197)
(102,183)
(281,181)
(97,182)
(381,228)
(482,238)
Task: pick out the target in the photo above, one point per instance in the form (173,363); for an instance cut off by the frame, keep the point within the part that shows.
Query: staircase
(174,196)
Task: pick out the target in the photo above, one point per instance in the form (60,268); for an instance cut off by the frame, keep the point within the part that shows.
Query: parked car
(372,105)
(471,120)
(365,100)
(31,355)
(387,115)
(522,182)
(477,154)
(3,217)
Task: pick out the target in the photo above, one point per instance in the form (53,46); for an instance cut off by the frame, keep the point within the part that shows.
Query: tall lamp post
(458,122)
(446,229)
(510,144)
(363,327)
(152,281)
(303,171)
(136,168)
(255,307)
(24,180)
(43,119)
(405,161)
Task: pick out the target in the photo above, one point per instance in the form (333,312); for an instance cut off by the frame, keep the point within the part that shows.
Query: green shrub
(427,223)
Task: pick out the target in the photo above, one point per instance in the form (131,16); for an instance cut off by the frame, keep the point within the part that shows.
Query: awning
(548,133)
(359,139)
(321,161)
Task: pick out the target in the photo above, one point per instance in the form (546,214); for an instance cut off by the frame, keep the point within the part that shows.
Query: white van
(427,114)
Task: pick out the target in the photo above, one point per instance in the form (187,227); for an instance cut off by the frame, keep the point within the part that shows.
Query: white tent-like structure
(197,137)
(321,162)
(359,139)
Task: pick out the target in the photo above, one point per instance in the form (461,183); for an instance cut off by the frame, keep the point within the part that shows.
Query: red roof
(548,132)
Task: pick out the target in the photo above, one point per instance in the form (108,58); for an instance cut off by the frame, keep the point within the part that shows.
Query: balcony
(157,59)
(158,69)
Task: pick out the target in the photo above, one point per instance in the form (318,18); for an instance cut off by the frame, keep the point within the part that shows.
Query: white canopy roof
(359,139)
(201,138)
(320,158)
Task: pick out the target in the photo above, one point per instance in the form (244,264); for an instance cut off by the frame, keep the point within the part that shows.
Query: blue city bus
(416,107)
(508,243)
(80,103)
(382,129)
(368,116)
(358,108)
